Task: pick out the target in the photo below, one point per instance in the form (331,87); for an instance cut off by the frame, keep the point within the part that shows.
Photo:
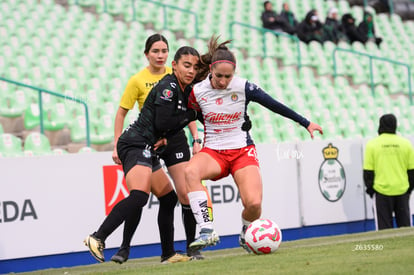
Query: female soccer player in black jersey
(164,114)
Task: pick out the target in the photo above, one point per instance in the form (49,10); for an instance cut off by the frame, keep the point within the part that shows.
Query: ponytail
(216,53)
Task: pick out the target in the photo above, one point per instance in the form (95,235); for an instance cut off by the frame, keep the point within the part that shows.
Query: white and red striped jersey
(224,111)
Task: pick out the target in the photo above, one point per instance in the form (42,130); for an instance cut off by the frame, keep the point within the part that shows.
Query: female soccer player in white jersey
(221,99)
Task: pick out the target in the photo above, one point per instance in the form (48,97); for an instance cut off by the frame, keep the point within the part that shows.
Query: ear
(174,64)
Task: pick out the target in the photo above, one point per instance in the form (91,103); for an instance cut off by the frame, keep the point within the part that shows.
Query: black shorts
(132,151)
(176,150)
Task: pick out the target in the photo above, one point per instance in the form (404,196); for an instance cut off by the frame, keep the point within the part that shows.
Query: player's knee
(191,174)
(138,198)
(169,200)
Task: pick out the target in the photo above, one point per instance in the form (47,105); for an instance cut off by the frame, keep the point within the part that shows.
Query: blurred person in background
(311,28)
(332,27)
(367,29)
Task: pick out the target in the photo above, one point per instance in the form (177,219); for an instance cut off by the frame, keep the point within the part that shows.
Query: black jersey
(164,113)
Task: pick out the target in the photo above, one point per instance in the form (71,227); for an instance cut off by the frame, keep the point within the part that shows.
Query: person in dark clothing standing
(367,29)
(163,115)
(389,174)
(350,29)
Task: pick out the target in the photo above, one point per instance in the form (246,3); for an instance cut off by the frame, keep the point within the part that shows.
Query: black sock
(189,223)
(130,226)
(166,223)
(131,205)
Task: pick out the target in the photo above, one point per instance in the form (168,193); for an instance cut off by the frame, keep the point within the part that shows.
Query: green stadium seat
(102,131)
(86,149)
(78,129)
(37,144)
(31,116)
(56,117)
(10,145)
(59,151)
(12,104)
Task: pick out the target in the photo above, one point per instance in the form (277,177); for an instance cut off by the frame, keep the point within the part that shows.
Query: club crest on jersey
(219,101)
(167,95)
(234,97)
(146,153)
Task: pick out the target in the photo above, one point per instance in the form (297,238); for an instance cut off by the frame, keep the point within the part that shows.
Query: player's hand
(314,127)
(115,157)
(196,147)
(160,143)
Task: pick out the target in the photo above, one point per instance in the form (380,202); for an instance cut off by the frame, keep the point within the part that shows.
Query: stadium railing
(164,8)
(371,71)
(263,32)
(40,91)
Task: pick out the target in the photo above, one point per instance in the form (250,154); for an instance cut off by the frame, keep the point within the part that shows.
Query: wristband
(198,140)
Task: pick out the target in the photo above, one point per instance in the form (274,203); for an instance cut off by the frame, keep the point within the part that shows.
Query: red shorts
(233,159)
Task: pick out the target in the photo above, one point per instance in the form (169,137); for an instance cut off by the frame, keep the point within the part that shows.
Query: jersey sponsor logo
(167,95)
(219,101)
(150,85)
(234,97)
(204,99)
(221,118)
(173,85)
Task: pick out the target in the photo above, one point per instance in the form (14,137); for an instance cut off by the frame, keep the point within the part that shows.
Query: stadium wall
(48,204)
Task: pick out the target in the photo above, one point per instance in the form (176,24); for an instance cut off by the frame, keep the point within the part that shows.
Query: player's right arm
(119,125)
(128,99)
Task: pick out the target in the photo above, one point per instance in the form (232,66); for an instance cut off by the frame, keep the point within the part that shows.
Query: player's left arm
(257,94)
(168,121)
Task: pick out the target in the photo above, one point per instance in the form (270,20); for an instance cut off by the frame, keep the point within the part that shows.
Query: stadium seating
(37,144)
(10,145)
(90,57)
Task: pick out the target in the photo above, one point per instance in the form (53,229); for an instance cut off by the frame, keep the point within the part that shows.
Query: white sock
(198,203)
(245,222)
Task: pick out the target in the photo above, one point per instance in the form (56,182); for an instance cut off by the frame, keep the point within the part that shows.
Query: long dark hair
(154,38)
(216,51)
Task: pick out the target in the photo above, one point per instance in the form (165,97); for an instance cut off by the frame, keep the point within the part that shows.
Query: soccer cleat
(242,241)
(208,237)
(121,256)
(96,247)
(175,258)
(194,254)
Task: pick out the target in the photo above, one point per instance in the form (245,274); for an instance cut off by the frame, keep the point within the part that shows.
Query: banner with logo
(331,184)
(49,204)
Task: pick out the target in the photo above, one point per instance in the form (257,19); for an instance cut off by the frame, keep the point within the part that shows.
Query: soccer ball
(263,236)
